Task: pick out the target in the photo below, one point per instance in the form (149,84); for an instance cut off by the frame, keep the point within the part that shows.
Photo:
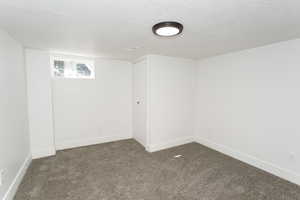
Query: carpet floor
(123,170)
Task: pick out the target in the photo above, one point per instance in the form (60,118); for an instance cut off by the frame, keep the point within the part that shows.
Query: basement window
(72,68)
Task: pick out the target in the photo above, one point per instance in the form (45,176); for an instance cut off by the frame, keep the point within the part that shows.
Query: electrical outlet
(1,176)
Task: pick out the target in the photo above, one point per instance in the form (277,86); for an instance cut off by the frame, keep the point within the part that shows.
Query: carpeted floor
(123,170)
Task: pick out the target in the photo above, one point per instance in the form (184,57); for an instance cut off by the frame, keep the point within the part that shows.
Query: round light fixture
(167,29)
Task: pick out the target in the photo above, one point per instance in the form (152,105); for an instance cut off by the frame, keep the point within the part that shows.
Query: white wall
(139,126)
(94,111)
(171,100)
(248,106)
(14,139)
(40,103)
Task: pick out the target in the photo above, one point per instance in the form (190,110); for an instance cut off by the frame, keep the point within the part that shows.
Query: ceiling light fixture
(167,29)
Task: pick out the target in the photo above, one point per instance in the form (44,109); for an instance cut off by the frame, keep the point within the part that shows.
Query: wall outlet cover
(1,176)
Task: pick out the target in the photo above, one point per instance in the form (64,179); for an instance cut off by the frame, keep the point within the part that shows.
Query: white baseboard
(140,141)
(9,195)
(43,152)
(251,160)
(89,141)
(169,144)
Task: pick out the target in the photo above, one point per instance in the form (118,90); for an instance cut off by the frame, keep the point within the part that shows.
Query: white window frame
(68,59)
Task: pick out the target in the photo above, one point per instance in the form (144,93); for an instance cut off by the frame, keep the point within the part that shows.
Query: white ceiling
(122,28)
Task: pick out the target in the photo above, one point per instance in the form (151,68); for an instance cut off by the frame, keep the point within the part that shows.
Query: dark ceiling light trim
(167,29)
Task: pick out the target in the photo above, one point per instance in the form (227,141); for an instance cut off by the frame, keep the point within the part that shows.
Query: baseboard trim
(90,141)
(9,195)
(251,160)
(43,152)
(140,142)
(169,144)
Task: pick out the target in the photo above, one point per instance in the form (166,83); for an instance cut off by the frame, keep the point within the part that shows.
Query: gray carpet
(124,170)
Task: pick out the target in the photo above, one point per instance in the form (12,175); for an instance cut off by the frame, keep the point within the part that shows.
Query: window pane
(59,68)
(72,69)
(82,70)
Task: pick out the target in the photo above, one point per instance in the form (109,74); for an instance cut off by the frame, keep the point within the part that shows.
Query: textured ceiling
(122,28)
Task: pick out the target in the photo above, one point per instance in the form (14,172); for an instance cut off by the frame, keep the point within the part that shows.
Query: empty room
(149,100)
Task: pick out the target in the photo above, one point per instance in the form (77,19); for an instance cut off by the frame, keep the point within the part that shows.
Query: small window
(72,68)
(59,68)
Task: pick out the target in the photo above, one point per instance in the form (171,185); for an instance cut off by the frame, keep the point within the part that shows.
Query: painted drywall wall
(91,111)
(14,138)
(66,113)
(171,99)
(139,126)
(40,103)
(247,107)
